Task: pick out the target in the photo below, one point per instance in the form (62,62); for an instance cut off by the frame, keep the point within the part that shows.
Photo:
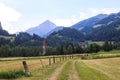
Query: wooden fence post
(49,60)
(63,58)
(53,60)
(60,58)
(72,56)
(26,68)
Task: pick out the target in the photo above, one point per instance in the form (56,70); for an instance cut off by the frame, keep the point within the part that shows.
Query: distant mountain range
(98,28)
(101,27)
(86,26)
(44,29)
(107,29)
(48,27)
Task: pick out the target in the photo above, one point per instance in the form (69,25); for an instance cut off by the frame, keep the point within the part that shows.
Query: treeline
(19,51)
(22,39)
(25,39)
(25,51)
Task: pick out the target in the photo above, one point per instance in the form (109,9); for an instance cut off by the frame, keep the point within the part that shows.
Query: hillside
(0,26)
(55,30)
(85,26)
(25,39)
(3,32)
(108,29)
(67,35)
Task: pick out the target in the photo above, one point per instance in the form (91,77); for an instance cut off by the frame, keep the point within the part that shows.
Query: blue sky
(19,15)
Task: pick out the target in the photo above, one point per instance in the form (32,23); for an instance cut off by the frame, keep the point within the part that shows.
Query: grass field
(8,37)
(102,55)
(105,68)
(17,64)
(96,42)
(41,73)
(109,67)
(99,69)
(38,66)
(87,73)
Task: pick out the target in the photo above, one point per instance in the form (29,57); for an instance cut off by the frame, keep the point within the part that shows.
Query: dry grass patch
(110,67)
(17,64)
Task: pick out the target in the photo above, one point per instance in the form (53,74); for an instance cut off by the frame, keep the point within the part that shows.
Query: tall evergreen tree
(107,46)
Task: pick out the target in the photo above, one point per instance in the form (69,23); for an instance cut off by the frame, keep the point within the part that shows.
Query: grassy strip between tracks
(64,74)
(87,73)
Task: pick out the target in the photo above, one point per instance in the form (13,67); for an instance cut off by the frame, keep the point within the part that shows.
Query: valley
(68,68)
(51,43)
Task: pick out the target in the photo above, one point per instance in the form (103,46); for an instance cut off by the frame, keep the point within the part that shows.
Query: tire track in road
(73,73)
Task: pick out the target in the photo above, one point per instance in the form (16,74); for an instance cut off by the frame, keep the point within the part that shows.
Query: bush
(92,48)
(11,74)
(97,56)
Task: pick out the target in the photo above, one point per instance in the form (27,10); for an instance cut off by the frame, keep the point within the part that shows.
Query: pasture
(67,67)
(11,38)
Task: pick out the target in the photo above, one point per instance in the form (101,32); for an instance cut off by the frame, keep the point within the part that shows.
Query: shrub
(11,74)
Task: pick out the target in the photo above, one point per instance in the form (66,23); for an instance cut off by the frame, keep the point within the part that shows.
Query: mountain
(66,35)
(42,29)
(108,29)
(85,26)
(101,27)
(0,26)
(25,39)
(55,30)
(109,19)
(3,32)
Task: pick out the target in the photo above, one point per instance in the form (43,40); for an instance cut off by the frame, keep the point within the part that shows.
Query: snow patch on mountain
(98,25)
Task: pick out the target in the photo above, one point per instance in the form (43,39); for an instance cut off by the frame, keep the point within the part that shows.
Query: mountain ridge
(42,29)
(86,25)
(108,30)
(64,36)
(55,30)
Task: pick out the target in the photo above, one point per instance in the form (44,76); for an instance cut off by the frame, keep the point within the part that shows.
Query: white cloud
(8,15)
(83,15)
(67,22)
(104,10)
